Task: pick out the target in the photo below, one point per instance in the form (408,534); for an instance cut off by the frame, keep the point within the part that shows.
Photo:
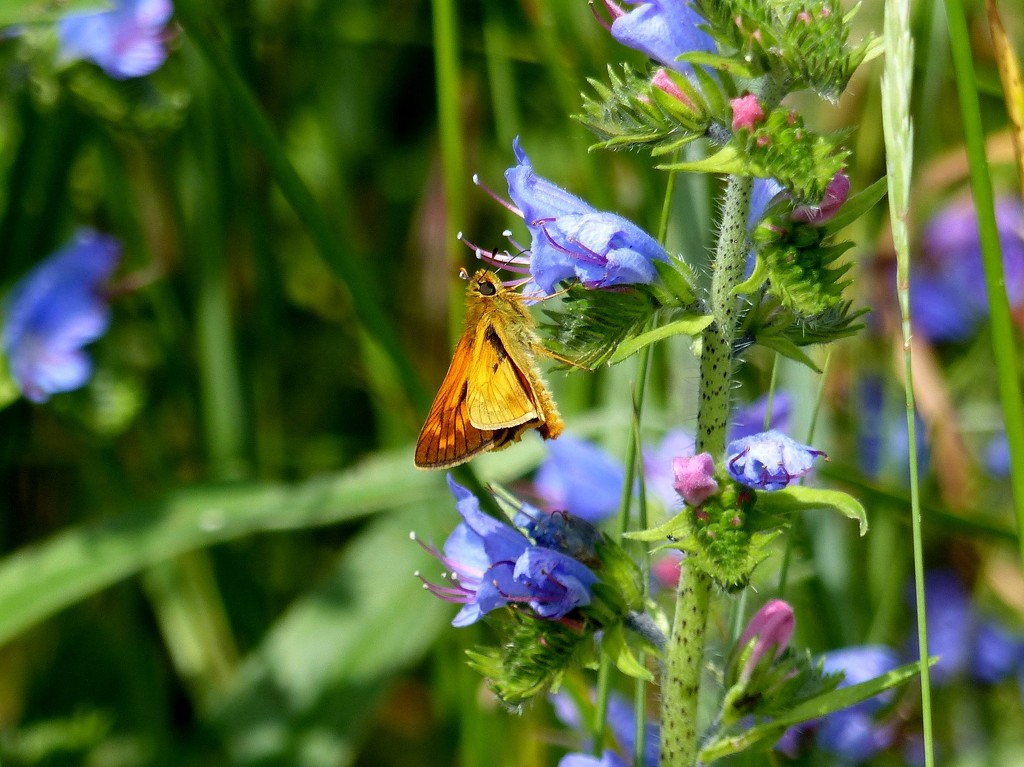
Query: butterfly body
(493,391)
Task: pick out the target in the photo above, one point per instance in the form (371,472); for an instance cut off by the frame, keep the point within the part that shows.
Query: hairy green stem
(684,660)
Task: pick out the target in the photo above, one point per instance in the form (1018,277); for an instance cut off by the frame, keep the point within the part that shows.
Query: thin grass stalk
(449,119)
(201,32)
(1003,344)
(898,131)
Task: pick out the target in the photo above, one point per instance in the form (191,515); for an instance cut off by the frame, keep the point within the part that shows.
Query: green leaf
(39,11)
(819,706)
(676,276)
(734,66)
(39,580)
(689,325)
(727,160)
(614,643)
(787,348)
(803,498)
(755,280)
(667,531)
(326,661)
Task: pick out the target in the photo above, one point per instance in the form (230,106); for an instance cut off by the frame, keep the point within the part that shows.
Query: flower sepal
(533,657)
(772,324)
(633,110)
(590,325)
(806,42)
(676,285)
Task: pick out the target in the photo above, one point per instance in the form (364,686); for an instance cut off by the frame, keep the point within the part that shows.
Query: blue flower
(951,625)
(997,653)
(581,478)
(572,239)
(608,759)
(854,736)
(664,30)
(764,192)
(54,311)
(621,719)
(997,455)
(126,41)
(853,733)
(494,565)
(769,460)
(948,297)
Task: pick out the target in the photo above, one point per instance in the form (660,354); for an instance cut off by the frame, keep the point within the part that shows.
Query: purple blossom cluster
(492,565)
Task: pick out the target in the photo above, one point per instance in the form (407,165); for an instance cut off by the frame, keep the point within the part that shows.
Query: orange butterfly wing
(448,437)
(500,395)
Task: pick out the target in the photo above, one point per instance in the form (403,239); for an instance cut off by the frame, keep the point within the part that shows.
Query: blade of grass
(1003,344)
(898,130)
(315,679)
(201,31)
(39,580)
(449,117)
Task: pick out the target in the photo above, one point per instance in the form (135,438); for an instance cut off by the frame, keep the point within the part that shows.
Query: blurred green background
(205,551)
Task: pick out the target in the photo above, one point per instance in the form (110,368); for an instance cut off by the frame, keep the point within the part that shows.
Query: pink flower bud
(666,569)
(746,112)
(772,626)
(836,192)
(694,478)
(664,81)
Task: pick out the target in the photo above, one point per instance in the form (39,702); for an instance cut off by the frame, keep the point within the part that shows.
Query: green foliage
(774,687)
(782,503)
(534,656)
(781,147)
(808,42)
(767,733)
(591,324)
(772,324)
(39,11)
(630,112)
(718,536)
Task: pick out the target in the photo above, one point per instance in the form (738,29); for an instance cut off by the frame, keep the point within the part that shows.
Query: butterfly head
(484,283)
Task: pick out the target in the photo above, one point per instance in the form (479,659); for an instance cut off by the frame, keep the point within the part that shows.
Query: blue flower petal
(571,239)
(536,197)
(126,41)
(663,29)
(763,194)
(54,311)
(854,736)
(581,478)
(769,460)
(498,540)
(951,625)
(559,583)
(997,653)
(608,759)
